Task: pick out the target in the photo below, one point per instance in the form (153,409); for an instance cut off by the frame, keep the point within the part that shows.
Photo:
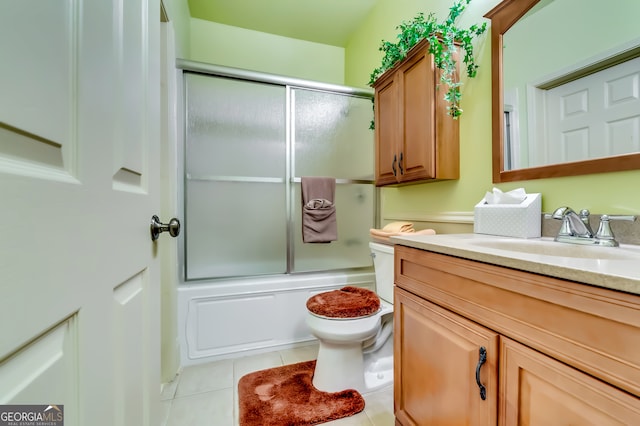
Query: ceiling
(322,21)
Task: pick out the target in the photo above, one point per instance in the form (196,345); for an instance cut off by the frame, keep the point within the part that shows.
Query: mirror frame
(503,17)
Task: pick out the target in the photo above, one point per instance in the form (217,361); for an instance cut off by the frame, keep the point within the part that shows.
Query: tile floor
(207,394)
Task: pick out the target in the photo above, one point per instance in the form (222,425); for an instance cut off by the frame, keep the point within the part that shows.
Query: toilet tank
(383,264)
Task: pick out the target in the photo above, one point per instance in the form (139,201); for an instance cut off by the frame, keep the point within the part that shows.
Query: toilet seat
(346,303)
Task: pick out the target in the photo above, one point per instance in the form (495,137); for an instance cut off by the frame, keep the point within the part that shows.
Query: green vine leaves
(444,38)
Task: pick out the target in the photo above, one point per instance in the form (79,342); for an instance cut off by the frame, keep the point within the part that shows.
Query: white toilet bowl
(341,361)
(357,352)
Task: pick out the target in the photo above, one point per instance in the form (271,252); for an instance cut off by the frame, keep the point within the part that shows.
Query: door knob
(173,227)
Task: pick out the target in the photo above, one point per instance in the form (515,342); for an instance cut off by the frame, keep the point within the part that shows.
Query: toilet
(354,327)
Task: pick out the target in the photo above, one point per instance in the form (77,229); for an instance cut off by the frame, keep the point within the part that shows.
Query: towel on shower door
(318,210)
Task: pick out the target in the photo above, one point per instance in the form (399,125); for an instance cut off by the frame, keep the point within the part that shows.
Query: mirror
(547,56)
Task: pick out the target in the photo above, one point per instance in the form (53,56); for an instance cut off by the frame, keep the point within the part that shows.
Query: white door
(79,177)
(595,116)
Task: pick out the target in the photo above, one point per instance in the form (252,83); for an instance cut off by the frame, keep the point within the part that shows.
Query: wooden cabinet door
(417,149)
(387,130)
(540,391)
(436,354)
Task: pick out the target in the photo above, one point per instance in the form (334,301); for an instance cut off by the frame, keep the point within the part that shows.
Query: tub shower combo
(248,140)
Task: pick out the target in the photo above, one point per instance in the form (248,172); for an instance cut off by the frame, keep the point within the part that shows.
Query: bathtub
(229,318)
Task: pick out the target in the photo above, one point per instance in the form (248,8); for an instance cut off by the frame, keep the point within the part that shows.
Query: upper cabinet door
(387,130)
(417,118)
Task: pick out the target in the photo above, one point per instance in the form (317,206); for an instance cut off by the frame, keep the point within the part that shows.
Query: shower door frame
(290,84)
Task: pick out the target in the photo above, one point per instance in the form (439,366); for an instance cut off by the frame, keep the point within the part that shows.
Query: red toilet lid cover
(348,302)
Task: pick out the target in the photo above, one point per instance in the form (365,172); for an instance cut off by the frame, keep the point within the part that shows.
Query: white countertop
(616,268)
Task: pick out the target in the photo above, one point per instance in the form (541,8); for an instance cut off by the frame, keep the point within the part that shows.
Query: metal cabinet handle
(393,165)
(173,227)
(400,165)
(481,360)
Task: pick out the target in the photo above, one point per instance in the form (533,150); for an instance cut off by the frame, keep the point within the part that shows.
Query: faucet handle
(604,230)
(629,218)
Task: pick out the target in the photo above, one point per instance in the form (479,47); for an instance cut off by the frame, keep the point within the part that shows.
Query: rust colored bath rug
(285,396)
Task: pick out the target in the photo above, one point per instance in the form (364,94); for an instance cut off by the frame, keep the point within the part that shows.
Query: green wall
(257,51)
(218,44)
(600,193)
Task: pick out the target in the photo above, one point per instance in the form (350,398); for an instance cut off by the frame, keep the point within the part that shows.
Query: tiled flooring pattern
(207,394)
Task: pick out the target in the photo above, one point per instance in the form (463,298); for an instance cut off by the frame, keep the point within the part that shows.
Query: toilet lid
(348,302)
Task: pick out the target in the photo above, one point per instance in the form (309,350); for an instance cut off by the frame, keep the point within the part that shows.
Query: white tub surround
(222,319)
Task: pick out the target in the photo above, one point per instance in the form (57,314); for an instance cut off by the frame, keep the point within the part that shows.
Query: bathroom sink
(610,267)
(548,247)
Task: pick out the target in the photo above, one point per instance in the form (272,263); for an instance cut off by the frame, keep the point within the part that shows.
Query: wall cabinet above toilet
(416,141)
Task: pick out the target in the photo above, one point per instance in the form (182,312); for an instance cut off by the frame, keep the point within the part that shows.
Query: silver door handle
(173,227)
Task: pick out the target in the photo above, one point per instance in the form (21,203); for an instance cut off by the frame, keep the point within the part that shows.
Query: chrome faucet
(575,228)
(573,225)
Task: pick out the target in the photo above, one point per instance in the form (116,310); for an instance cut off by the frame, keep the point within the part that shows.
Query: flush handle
(173,227)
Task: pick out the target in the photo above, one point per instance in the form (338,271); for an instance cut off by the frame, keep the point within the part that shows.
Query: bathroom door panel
(79,141)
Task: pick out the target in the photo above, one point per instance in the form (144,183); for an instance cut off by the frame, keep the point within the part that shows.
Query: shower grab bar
(338,181)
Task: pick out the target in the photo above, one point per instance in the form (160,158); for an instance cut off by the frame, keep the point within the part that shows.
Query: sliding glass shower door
(235,178)
(331,137)
(247,144)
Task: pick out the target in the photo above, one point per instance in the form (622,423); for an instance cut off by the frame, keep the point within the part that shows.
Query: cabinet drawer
(592,329)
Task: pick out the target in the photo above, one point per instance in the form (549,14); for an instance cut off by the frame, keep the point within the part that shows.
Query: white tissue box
(522,220)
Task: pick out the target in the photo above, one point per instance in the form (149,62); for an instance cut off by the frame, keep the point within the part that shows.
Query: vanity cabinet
(416,140)
(557,351)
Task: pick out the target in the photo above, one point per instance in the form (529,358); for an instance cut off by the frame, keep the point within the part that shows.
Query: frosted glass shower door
(331,137)
(235,167)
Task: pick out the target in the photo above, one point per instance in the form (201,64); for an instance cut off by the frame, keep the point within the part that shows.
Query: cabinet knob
(400,165)
(393,165)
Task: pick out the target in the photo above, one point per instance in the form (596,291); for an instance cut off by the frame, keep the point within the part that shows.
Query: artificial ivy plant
(442,37)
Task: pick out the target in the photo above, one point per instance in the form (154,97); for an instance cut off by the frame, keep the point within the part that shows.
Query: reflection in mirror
(566,87)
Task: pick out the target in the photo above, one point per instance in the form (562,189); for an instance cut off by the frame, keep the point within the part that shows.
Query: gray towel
(318,210)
